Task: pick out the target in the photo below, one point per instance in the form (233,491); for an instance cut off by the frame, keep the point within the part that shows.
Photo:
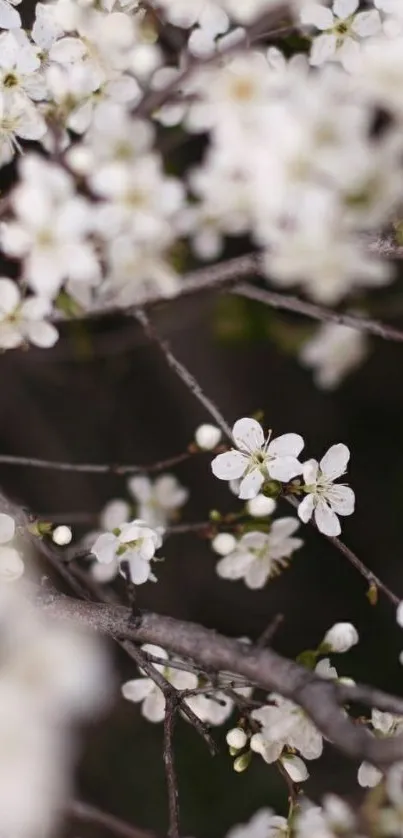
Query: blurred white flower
(257,555)
(341,637)
(158,500)
(333,352)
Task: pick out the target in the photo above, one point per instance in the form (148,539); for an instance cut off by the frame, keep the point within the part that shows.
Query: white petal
(286,445)
(40,333)
(296,768)
(251,485)
(140,488)
(139,569)
(114,514)
(326,520)
(345,8)
(7,528)
(256,575)
(334,462)
(316,15)
(306,508)
(9,296)
(138,689)
(230,465)
(323,48)
(35,308)
(368,775)
(235,565)
(9,17)
(105,547)
(248,435)
(310,472)
(67,50)
(11,564)
(154,706)
(367,24)
(341,499)
(284,468)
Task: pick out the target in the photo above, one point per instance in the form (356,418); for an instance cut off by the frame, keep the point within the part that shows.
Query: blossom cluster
(291,158)
(257,461)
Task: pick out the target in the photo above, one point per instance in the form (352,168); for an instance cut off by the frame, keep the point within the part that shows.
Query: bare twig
(169,762)
(368,574)
(320,698)
(267,635)
(327,315)
(96,468)
(182,372)
(87,813)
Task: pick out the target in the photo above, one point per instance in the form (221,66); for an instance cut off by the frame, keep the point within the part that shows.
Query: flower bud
(236,738)
(341,637)
(260,506)
(295,768)
(223,543)
(207,437)
(399,614)
(242,762)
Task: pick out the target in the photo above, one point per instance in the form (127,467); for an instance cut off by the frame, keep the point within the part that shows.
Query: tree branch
(321,699)
(169,762)
(97,468)
(87,813)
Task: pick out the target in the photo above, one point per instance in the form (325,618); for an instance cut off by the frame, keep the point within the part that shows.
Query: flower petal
(9,296)
(286,445)
(345,8)
(105,547)
(11,564)
(251,485)
(284,468)
(138,689)
(341,499)
(326,520)
(310,472)
(230,465)
(257,573)
(153,707)
(306,508)
(334,462)
(248,434)
(235,565)
(314,14)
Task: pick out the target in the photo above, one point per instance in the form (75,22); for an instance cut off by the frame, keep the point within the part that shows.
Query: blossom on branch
(133,543)
(325,499)
(257,459)
(258,556)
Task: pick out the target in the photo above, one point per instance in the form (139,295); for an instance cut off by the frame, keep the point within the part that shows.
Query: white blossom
(24,320)
(236,738)
(134,543)
(158,500)
(333,352)
(325,499)
(283,723)
(9,17)
(342,30)
(146,691)
(257,458)
(258,555)
(341,637)
(224,543)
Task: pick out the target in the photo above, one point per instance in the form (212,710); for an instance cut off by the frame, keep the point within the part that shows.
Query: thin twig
(267,635)
(368,574)
(96,468)
(170,772)
(182,372)
(327,315)
(87,813)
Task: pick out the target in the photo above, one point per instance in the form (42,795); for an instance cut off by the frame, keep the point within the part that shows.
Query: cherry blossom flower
(146,691)
(342,30)
(283,723)
(24,320)
(383,724)
(158,500)
(333,352)
(257,459)
(19,120)
(134,543)
(324,499)
(258,556)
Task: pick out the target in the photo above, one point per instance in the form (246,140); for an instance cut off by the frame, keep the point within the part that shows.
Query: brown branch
(97,468)
(321,699)
(327,315)
(169,762)
(182,372)
(368,574)
(87,813)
